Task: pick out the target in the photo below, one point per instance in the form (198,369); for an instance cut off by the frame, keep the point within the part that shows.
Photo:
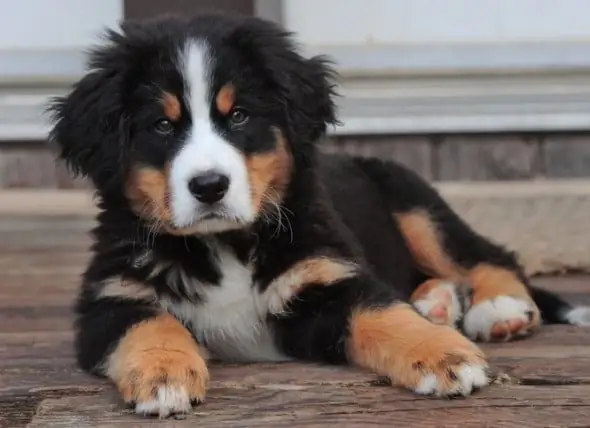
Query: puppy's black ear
(89,128)
(312,91)
(306,87)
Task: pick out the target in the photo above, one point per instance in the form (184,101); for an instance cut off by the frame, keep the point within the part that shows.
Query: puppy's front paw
(159,368)
(426,358)
(164,382)
(447,369)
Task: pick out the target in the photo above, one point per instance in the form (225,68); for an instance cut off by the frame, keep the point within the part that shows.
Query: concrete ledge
(545,222)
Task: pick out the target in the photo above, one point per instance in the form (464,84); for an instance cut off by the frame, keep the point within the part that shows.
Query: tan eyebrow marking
(171,105)
(225,99)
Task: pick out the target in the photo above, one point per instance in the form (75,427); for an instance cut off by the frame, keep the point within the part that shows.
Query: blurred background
(489,100)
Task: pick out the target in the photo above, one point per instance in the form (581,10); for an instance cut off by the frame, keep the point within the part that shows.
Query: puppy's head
(197,124)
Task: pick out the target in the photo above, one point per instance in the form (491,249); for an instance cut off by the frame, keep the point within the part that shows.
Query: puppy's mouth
(211,216)
(209,220)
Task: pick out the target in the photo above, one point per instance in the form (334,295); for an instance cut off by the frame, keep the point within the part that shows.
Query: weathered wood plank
(413,152)
(544,370)
(488,158)
(65,180)
(549,336)
(33,319)
(27,372)
(50,241)
(299,385)
(35,167)
(27,167)
(277,405)
(567,156)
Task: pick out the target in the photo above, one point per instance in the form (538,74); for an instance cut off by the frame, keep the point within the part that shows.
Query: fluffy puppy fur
(223,231)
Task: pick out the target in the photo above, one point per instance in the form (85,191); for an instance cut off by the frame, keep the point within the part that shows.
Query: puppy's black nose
(209,187)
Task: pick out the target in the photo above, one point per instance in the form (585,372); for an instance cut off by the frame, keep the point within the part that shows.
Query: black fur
(316,326)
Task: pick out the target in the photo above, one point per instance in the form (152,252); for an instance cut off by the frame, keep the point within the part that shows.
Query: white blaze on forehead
(204,148)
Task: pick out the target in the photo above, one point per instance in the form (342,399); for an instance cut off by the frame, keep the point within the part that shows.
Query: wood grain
(567,156)
(510,406)
(413,152)
(488,158)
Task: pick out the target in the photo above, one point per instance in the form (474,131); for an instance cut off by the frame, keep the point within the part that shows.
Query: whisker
(280,214)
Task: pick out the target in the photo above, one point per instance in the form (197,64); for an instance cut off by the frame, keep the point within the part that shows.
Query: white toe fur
(431,299)
(169,400)
(479,320)
(579,316)
(469,377)
(428,385)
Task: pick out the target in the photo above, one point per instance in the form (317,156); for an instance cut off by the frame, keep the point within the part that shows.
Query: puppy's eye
(163,126)
(238,117)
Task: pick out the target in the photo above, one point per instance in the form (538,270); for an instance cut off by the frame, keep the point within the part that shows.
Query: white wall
(55,24)
(334,22)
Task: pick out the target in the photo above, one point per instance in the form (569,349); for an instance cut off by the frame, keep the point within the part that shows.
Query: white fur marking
(579,316)
(428,385)
(206,150)
(116,287)
(143,260)
(277,295)
(158,268)
(169,399)
(231,321)
(480,319)
(469,377)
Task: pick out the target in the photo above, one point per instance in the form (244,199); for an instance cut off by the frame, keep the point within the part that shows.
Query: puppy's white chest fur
(230,321)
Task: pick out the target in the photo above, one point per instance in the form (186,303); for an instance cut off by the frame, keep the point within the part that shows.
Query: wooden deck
(542,382)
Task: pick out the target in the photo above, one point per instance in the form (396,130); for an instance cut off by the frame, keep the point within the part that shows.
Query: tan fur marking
(127,289)
(171,105)
(269,173)
(322,271)
(399,343)
(225,99)
(422,238)
(490,281)
(157,352)
(147,189)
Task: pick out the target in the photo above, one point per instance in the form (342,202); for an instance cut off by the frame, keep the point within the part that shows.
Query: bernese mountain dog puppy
(224,232)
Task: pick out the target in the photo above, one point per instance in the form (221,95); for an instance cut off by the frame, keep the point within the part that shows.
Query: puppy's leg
(152,359)
(360,321)
(501,306)
(444,246)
